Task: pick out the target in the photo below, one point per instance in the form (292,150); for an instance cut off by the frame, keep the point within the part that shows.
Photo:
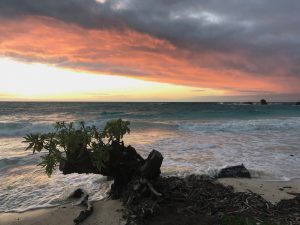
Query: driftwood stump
(124,164)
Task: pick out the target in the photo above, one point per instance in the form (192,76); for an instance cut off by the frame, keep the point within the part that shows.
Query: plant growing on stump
(110,138)
(85,149)
(74,144)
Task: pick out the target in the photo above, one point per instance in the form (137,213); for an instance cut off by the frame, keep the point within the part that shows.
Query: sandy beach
(272,191)
(110,212)
(105,213)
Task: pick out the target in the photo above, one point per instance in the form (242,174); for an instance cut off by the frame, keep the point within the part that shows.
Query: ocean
(196,138)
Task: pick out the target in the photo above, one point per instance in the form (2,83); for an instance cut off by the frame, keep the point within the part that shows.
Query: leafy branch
(70,143)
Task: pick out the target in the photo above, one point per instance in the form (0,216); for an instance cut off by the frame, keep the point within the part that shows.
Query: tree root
(150,186)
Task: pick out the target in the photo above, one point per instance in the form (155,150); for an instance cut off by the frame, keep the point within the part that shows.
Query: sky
(149,50)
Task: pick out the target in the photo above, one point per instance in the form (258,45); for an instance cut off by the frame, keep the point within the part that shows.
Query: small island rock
(263,102)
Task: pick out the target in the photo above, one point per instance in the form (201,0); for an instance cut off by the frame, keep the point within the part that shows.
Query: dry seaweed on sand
(202,200)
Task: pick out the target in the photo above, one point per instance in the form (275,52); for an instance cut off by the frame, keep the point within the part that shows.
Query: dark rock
(234,171)
(297,103)
(248,103)
(263,102)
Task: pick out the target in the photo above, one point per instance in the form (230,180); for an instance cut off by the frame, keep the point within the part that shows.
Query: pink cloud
(135,54)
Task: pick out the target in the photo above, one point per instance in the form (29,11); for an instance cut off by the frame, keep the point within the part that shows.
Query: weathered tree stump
(151,168)
(124,164)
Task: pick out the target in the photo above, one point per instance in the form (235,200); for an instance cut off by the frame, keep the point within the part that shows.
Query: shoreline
(106,212)
(109,212)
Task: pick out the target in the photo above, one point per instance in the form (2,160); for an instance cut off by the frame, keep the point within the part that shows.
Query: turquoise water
(193,137)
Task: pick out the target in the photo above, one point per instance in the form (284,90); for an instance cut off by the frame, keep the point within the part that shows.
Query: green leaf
(49,162)
(116,129)
(69,142)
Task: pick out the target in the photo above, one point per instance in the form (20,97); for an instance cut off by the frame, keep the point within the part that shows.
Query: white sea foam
(253,125)
(28,187)
(192,141)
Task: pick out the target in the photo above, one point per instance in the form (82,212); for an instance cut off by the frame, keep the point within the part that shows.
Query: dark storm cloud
(255,29)
(86,13)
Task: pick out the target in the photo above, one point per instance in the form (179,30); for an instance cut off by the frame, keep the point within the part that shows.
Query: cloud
(209,25)
(220,44)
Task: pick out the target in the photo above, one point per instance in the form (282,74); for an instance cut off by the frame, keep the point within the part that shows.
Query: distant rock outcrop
(234,171)
(263,102)
(297,103)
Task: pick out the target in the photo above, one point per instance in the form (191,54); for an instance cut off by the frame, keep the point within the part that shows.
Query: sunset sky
(149,50)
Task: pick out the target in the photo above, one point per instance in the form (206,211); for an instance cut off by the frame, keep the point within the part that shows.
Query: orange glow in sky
(42,58)
(23,81)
